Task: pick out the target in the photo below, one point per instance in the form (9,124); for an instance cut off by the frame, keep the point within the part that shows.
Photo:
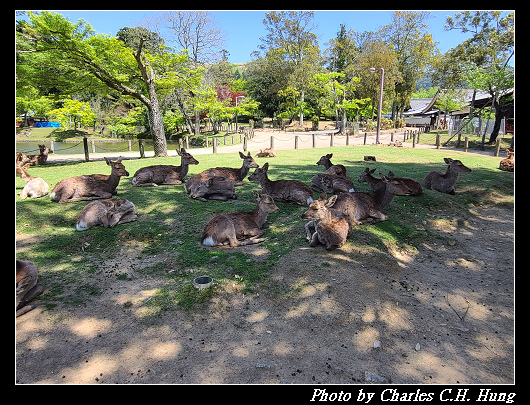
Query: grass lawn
(169,226)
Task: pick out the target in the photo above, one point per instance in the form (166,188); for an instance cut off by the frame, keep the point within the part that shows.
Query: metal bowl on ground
(202,282)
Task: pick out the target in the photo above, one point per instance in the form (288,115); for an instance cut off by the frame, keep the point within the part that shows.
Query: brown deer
(508,164)
(107,213)
(267,152)
(235,175)
(361,208)
(445,182)
(330,167)
(35,160)
(35,186)
(90,187)
(367,177)
(239,228)
(164,174)
(26,286)
(329,228)
(331,183)
(215,188)
(283,190)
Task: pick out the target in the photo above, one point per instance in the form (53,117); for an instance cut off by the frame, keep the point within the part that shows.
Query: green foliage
(73,113)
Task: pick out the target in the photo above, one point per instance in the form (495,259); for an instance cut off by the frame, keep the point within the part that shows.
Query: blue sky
(244,28)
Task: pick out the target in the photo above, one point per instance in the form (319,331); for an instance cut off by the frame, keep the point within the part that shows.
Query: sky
(244,28)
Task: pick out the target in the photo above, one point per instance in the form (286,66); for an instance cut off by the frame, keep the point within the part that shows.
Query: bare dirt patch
(441,314)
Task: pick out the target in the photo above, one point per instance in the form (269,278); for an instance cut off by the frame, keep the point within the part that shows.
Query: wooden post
(405,136)
(272,142)
(296,141)
(187,142)
(85,146)
(437,141)
(245,144)
(331,139)
(214,145)
(206,138)
(180,144)
(391,137)
(348,138)
(93,146)
(414,139)
(466,143)
(497,147)
(129,145)
(141,147)
(314,141)
(365,134)
(51,146)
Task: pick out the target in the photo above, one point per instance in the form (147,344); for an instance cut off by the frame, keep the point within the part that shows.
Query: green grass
(169,226)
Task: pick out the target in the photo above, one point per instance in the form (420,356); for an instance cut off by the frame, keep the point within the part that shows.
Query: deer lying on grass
(215,188)
(35,160)
(508,164)
(283,190)
(361,208)
(267,152)
(35,186)
(236,176)
(331,183)
(325,161)
(164,174)
(107,213)
(90,187)
(26,286)
(367,177)
(327,226)
(445,182)
(239,228)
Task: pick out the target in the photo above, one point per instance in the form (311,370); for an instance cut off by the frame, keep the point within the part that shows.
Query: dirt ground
(442,314)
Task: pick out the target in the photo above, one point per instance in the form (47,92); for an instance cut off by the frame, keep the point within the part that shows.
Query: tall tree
(74,48)
(414,47)
(290,33)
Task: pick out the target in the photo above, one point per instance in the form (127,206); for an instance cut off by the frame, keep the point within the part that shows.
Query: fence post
(331,139)
(314,141)
(214,145)
(391,137)
(93,146)
(466,143)
(180,144)
(85,146)
(129,145)
(272,142)
(348,138)
(141,147)
(405,136)
(437,141)
(365,134)
(414,139)
(497,147)
(206,138)
(51,146)
(296,141)
(245,146)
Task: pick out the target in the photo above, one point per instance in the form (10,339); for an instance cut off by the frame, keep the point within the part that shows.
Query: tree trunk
(499,115)
(302,110)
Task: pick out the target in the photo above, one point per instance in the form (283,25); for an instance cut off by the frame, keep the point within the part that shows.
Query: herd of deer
(330,219)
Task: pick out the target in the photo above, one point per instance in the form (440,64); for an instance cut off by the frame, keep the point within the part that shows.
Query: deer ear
(371,171)
(107,160)
(242,156)
(448,160)
(329,155)
(384,178)
(266,166)
(256,194)
(331,201)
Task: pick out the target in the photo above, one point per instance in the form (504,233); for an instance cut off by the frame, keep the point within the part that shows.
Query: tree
(291,34)
(450,100)
(76,50)
(413,47)
(73,112)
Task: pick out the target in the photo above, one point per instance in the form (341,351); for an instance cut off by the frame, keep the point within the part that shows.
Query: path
(261,140)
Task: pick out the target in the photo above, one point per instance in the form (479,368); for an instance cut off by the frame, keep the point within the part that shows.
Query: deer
(35,186)
(508,164)
(331,183)
(325,161)
(236,176)
(445,182)
(164,174)
(367,177)
(215,188)
(361,208)
(26,286)
(240,228)
(90,187)
(327,226)
(267,152)
(107,213)
(283,190)
(35,160)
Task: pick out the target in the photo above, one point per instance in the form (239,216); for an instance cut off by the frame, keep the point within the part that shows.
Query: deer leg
(309,230)
(314,240)
(128,217)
